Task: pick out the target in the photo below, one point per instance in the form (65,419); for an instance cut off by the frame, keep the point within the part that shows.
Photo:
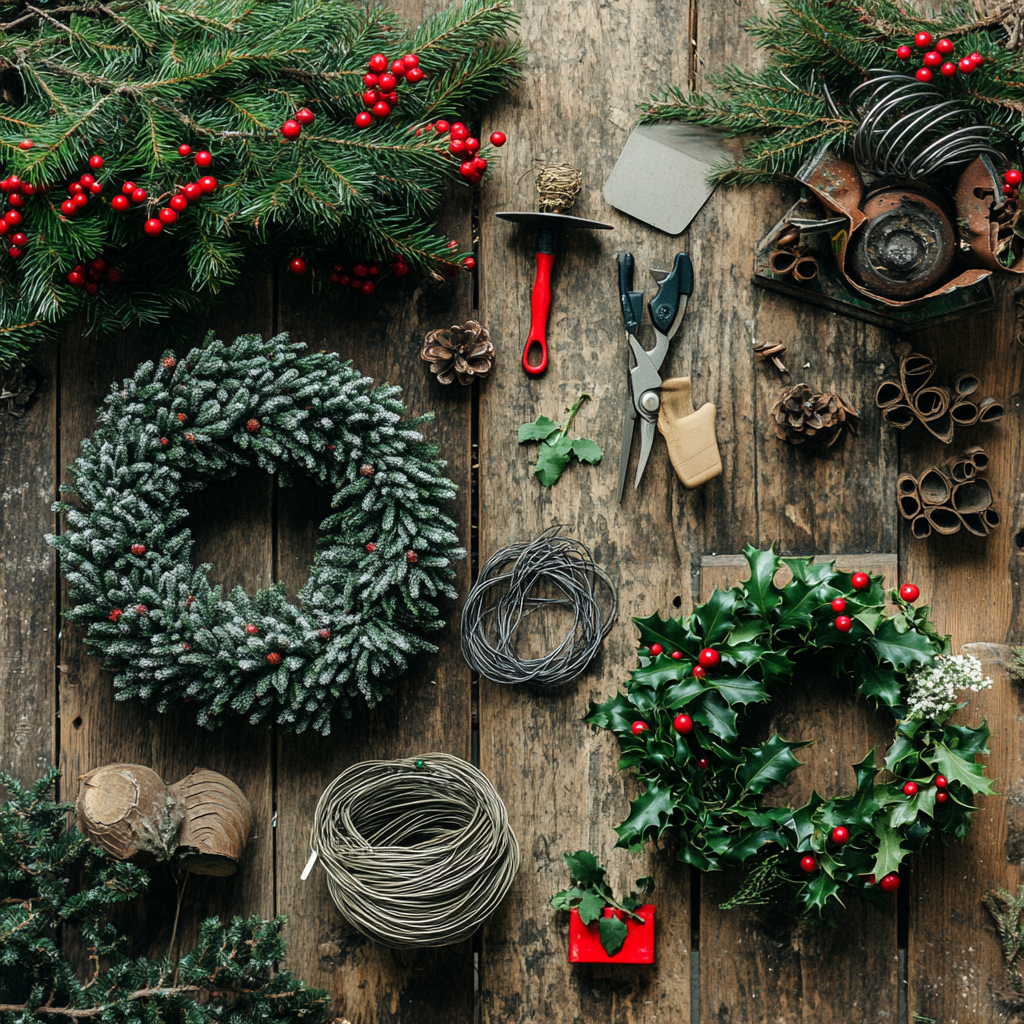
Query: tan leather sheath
(690,435)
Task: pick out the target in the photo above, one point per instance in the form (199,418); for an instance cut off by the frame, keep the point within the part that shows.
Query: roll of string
(522,580)
(417,852)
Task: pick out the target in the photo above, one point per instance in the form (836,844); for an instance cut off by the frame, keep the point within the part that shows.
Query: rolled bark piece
(218,820)
(975,496)
(943,520)
(992,518)
(962,470)
(915,371)
(965,384)
(965,414)
(907,483)
(128,811)
(921,528)
(942,428)
(930,403)
(991,411)
(899,416)
(788,236)
(978,457)
(934,487)
(805,269)
(889,393)
(782,261)
(974,522)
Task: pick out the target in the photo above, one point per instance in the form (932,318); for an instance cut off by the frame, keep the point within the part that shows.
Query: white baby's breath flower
(932,691)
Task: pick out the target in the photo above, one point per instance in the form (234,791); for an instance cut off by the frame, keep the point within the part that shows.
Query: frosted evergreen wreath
(688,728)
(384,559)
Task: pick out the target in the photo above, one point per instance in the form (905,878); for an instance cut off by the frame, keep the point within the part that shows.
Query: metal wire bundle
(520,580)
(909,131)
(418,851)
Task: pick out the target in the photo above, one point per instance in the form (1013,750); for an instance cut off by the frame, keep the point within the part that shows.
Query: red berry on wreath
(204,158)
(170,362)
(371,547)
(139,195)
(364,119)
(932,59)
(274,658)
(441,127)
(138,549)
(1011,177)
(940,781)
(467,169)
(378,63)
(96,162)
(291,129)
(69,209)
(839,605)
(371,81)
(367,287)
(941,797)
(411,557)
(903,52)
(190,438)
(839,836)
(945,46)
(388,83)
(297,265)
(909,592)
(252,426)
(152,226)
(305,116)
(923,74)
(678,655)
(890,883)
(182,417)
(96,188)
(965,65)
(709,657)
(184,149)
(909,788)
(381,109)
(699,671)
(702,763)
(76,278)
(655,649)
(860,581)
(948,69)
(370,97)
(400,268)
(1008,190)
(472,145)
(844,623)
(498,139)
(128,188)
(16,199)
(164,442)
(976,59)
(808,864)
(19,239)
(683,724)
(923,40)
(140,609)
(410,60)
(398,69)
(13,218)
(638,727)
(91,288)
(192,192)
(115,615)
(178,203)
(251,630)
(208,185)
(167,215)
(414,75)
(457,147)
(26,144)
(324,634)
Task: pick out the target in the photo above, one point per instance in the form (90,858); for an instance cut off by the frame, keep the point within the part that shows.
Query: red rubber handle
(540,303)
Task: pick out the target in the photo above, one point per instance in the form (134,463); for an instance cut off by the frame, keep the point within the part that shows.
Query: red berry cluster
(941,58)
(292,128)
(90,275)
(80,191)
(16,192)
(178,203)
(1011,182)
(465,148)
(363,276)
(381,93)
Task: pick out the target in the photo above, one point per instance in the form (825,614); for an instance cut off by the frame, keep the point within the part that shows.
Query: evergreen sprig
(705,773)
(383,566)
(55,885)
(132,81)
(811,47)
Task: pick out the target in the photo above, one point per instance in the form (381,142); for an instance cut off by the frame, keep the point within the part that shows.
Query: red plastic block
(585,941)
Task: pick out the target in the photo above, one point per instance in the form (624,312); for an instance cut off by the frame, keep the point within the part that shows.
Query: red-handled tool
(549,227)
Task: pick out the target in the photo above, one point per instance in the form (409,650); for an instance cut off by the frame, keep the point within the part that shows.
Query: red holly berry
(69,209)
(844,623)
(965,65)
(400,268)
(370,97)
(274,658)
(472,145)
(890,883)
(184,149)
(940,781)
(381,109)
(923,40)
(251,630)
(702,763)
(441,127)
(909,788)
(324,634)
(140,609)
(364,119)
(411,557)
(932,59)
(683,724)
(457,147)
(903,52)
(388,83)
(178,203)
(26,144)
(115,615)
(467,169)
(182,417)
(164,442)
(13,218)
(305,116)
(923,74)
(153,226)
(498,139)
(371,547)
(839,605)
(208,185)
(16,199)
(709,657)
(414,75)
(77,278)
(297,265)
(398,69)
(1009,190)
(139,195)
(948,69)
(18,239)
(252,426)
(192,192)
(699,671)
(944,46)
(941,797)
(638,727)
(655,649)
(808,864)
(976,59)
(909,592)
(1012,177)
(410,60)
(204,158)
(91,288)
(86,180)
(678,655)
(291,129)
(480,164)
(167,215)
(186,647)
(460,131)
(839,836)
(367,287)
(860,581)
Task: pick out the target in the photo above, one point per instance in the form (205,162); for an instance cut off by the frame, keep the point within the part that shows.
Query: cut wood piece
(974,522)
(931,403)
(909,499)
(934,487)
(992,518)
(962,470)
(216,826)
(128,811)
(942,428)
(907,483)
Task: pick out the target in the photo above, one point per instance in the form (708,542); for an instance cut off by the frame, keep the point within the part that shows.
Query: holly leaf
(649,815)
(586,450)
(769,763)
(870,617)
(902,750)
(890,850)
(901,650)
(906,812)
(745,632)
(583,868)
(613,934)
(958,769)
(715,616)
(552,460)
(800,601)
(540,430)
(806,570)
(712,712)
(591,907)
(617,714)
(876,681)
(820,889)
(670,633)
(966,741)
(865,770)
(683,692)
(568,898)
(759,589)
(740,690)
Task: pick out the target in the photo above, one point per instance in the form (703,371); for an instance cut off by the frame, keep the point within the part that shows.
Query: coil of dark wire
(417,851)
(519,581)
(909,131)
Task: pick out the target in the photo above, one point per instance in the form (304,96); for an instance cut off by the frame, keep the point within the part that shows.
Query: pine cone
(800,414)
(463,350)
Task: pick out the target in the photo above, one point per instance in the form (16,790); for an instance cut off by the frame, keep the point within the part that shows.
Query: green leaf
(591,907)
(715,616)
(806,570)
(870,617)
(613,934)
(712,712)
(799,603)
(966,741)
(683,692)
(957,769)
(876,680)
(906,812)
(740,690)
(583,867)
(745,632)
(649,815)
(820,889)
(890,851)
(551,461)
(540,430)
(586,450)
(670,633)
(568,898)
(768,764)
(901,650)
(759,589)
(617,714)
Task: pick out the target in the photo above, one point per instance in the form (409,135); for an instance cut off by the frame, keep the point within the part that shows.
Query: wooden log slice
(217,823)
(128,811)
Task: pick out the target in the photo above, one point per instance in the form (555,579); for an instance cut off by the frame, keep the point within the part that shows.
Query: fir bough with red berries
(781,110)
(383,565)
(690,725)
(154,154)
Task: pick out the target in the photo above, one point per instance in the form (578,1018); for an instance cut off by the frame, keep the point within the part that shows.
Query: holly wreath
(383,562)
(687,724)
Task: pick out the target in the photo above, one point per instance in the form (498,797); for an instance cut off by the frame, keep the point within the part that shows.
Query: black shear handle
(664,307)
(632,302)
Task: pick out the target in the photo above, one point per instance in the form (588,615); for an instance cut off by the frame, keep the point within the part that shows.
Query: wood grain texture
(231,524)
(28,619)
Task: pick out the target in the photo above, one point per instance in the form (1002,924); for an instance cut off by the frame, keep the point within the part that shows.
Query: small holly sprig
(591,895)
(556,449)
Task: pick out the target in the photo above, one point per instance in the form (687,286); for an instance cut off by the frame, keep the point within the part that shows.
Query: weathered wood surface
(589,64)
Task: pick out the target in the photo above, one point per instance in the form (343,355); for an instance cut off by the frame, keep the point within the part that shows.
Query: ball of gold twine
(558,186)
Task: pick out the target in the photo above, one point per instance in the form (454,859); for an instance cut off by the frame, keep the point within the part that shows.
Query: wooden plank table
(933,953)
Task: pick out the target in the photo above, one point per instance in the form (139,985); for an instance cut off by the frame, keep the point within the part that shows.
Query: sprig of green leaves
(556,449)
